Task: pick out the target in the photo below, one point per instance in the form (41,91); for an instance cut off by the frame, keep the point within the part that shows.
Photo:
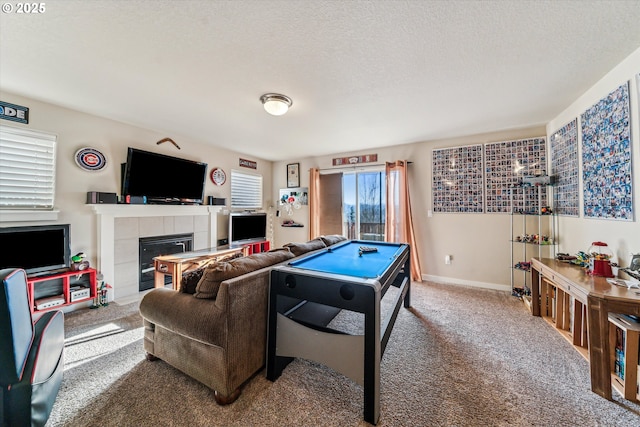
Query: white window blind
(27,169)
(246,190)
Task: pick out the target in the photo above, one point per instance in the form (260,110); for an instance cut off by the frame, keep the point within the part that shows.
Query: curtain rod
(356,166)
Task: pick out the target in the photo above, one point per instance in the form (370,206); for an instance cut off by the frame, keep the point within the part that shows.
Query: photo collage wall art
(506,163)
(564,166)
(457,183)
(606,158)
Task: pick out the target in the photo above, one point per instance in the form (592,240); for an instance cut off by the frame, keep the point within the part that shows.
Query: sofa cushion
(302,248)
(190,280)
(332,239)
(209,284)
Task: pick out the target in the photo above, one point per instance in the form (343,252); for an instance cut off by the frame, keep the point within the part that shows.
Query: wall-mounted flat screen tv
(163,179)
(36,249)
(245,227)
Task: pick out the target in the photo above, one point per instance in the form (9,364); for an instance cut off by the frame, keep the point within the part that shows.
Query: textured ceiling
(361,74)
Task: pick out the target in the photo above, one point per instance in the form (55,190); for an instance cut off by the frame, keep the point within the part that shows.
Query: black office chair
(31,355)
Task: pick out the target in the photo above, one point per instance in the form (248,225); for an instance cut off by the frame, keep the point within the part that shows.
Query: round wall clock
(218,177)
(90,159)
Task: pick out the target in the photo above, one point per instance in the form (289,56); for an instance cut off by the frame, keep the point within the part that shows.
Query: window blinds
(246,190)
(27,169)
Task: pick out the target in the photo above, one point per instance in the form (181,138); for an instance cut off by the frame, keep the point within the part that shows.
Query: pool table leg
(274,366)
(372,357)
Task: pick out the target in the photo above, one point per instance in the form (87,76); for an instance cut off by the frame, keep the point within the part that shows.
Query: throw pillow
(302,248)
(190,280)
(214,275)
(332,239)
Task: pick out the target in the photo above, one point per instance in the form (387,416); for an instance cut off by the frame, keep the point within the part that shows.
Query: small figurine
(78,263)
(101,295)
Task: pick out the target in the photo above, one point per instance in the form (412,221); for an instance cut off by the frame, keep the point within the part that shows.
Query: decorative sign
(13,112)
(248,164)
(90,159)
(606,158)
(368,158)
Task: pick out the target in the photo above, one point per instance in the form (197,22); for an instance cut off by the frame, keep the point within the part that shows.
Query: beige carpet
(459,357)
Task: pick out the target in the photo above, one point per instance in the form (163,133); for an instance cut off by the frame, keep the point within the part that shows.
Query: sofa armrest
(245,299)
(48,346)
(200,319)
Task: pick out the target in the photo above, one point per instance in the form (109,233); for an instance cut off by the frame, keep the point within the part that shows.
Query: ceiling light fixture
(275,103)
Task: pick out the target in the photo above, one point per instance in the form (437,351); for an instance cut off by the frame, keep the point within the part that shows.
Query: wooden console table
(600,298)
(175,264)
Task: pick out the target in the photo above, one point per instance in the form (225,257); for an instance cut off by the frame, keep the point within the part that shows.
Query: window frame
(243,187)
(30,186)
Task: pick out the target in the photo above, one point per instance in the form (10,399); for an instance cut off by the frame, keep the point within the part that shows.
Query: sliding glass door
(363,201)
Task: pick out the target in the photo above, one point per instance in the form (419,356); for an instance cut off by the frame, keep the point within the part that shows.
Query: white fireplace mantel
(130,211)
(107,213)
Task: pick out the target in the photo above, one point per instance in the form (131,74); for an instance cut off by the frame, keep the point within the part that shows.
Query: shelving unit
(623,336)
(257,247)
(565,309)
(533,234)
(52,291)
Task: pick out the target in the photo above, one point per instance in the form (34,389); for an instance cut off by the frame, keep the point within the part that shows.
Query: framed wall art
(506,164)
(293,175)
(606,158)
(457,181)
(564,166)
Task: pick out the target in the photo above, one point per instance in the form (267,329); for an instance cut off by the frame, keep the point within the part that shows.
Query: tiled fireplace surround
(121,226)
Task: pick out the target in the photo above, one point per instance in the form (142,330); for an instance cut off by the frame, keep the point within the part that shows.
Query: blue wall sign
(13,112)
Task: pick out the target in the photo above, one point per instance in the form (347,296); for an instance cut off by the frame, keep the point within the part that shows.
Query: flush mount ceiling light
(275,103)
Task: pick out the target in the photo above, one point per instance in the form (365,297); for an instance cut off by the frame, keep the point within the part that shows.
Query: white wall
(75,130)
(479,243)
(623,237)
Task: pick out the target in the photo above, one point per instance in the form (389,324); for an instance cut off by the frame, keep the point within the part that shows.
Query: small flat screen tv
(36,249)
(163,179)
(245,227)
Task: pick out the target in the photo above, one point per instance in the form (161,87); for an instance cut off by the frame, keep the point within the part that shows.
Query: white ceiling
(362,74)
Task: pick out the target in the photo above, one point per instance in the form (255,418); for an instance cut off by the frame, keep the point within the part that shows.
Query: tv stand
(254,247)
(59,288)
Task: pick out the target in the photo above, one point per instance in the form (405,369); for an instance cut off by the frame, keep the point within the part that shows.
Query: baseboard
(128,299)
(452,281)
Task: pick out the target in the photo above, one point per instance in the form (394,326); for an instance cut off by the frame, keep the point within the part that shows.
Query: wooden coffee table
(175,264)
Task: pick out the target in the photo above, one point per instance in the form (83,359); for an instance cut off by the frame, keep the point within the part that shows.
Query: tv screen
(164,179)
(36,249)
(247,227)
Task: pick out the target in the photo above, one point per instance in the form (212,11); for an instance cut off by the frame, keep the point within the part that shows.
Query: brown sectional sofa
(214,329)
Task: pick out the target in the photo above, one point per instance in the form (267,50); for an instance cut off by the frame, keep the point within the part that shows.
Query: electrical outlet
(447,259)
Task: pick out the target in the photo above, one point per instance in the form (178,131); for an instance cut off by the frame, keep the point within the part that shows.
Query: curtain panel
(399,222)
(314,203)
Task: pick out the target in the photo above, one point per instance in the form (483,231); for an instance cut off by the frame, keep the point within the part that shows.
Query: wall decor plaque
(606,158)
(248,164)
(293,175)
(13,112)
(353,160)
(563,144)
(90,159)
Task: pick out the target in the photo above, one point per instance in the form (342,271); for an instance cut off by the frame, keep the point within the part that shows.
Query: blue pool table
(353,275)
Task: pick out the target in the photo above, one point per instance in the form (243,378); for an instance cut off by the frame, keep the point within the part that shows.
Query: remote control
(366,250)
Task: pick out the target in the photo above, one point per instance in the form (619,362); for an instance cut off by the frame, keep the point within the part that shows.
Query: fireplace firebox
(151,247)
